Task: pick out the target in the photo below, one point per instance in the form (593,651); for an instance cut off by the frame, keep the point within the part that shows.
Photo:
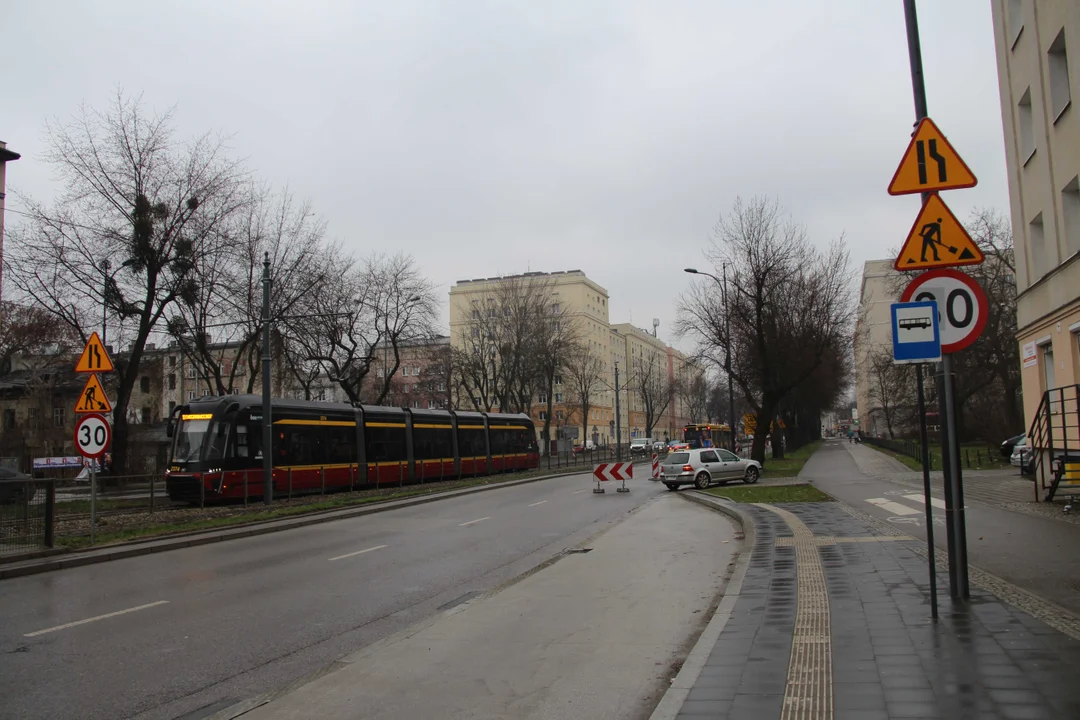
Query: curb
(195,538)
(672,701)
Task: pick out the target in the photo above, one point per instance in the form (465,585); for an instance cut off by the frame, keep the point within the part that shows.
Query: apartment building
(880,288)
(584,302)
(1038,46)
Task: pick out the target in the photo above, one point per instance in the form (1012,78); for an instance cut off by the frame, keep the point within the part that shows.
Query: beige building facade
(878,290)
(585,303)
(1038,58)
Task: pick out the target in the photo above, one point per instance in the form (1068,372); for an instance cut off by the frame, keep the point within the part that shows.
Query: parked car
(1022,457)
(16,487)
(640,446)
(702,467)
(1008,445)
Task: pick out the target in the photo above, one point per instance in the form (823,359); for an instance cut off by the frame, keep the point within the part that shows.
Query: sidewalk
(832,620)
(592,635)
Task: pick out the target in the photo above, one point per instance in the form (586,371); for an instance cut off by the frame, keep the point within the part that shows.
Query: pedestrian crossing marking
(933,501)
(893,507)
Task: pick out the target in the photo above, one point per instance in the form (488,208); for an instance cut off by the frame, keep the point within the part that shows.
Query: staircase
(1054,438)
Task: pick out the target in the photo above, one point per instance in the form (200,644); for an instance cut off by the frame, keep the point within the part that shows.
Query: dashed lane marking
(893,507)
(473,522)
(538,503)
(581,491)
(65,626)
(920,499)
(358,552)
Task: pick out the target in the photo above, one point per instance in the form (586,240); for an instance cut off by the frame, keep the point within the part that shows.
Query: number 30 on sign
(92,435)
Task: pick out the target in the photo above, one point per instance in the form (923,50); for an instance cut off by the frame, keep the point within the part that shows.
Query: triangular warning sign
(94,358)
(930,163)
(937,239)
(93,399)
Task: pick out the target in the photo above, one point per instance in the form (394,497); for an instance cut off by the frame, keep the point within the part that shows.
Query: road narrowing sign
(614,471)
(962,305)
(94,358)
(930,163)
(937,239)
(92,435)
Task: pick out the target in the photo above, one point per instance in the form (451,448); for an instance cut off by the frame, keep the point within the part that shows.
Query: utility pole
(104,291)
(268,430)
(955,525)
(727,366)
(618,416)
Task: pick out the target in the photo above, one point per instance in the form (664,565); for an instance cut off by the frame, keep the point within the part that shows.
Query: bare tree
(218,318)
(26,328)
(892,389)
(790,308)
(584,370)
(692,389)
(650,383)
(133,196)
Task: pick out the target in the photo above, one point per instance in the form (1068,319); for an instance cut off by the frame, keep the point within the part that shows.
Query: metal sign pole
(957,550)
(93,500)
(925,457)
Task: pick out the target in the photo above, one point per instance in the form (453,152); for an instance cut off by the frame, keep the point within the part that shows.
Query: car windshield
(189,437)
(679,458)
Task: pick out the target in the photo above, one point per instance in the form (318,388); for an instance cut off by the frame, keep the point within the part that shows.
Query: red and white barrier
(655,466)
(618,471)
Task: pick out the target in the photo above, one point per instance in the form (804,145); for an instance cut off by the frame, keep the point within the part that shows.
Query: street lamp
(727,349)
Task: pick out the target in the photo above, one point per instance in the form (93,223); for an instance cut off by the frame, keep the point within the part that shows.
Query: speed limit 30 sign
(962,305)
(92,435)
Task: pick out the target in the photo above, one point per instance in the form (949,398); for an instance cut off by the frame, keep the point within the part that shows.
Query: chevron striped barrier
(655,466)
(617,471)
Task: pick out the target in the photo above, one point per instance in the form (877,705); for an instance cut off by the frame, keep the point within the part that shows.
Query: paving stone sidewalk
(865,647)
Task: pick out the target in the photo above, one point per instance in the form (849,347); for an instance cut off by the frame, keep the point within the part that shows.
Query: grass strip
(771,494)
(790,465)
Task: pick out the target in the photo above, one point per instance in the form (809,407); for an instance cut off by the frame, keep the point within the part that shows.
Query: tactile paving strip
(808,693)
(826,540)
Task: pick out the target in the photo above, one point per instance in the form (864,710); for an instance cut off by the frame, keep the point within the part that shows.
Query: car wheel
(751,476)
(701,481)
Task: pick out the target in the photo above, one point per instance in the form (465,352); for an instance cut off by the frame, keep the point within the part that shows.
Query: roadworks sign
(94,359)
(93,399)
(937,239)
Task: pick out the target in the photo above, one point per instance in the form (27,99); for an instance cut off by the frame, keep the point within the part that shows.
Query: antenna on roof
(655,324)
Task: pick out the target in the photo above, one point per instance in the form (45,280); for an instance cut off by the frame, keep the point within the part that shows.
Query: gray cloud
(488,137)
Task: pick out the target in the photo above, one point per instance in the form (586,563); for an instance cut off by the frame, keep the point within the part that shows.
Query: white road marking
(894,508)
(581,491)
(358,552)
(538,503)
(475,521)
(933,501)
(65,626)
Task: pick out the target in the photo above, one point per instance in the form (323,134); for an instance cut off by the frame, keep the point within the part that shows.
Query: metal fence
(970,458)
(26,516)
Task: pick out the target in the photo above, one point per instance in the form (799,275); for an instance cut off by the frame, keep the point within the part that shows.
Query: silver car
(702,467)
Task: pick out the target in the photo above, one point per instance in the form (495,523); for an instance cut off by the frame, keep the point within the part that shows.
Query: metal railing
(26,516)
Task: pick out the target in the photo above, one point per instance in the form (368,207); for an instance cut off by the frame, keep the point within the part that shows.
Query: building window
(1058,63)
(406,389)
(191,372)
(476,332)
(172,361)
(442,387)
(405,371)
(555,307)
(144,415)
(31,414)
(416,404)
(475,314)
(1070,211)
(1037,246)
(558,379)
(58,417)
(172,381)
(144,384)
(1026,125)
(558,397)
(190,394)
(9,419)
(416,371)
(543,415)
(542,399)
(1016,20)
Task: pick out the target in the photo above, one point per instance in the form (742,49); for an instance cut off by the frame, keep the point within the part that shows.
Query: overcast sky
(496,137)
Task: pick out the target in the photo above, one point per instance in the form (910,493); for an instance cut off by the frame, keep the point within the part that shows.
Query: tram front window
(190,434)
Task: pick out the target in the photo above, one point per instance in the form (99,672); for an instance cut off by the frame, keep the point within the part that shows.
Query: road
(1035,553)
(187,632)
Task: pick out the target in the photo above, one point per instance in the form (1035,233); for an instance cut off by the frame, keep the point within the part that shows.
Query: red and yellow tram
(217,445)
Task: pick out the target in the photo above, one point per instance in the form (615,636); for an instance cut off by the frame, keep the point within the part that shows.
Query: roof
(8,155)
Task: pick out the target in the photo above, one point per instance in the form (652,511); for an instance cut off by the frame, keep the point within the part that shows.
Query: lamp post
(727,350)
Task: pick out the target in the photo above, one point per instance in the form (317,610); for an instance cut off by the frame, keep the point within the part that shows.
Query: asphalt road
(190,631)
(1035,553)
